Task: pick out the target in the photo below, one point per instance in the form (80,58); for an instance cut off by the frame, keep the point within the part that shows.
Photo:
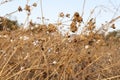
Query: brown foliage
(42,53)
(6,24)
(25,54)
(52,28)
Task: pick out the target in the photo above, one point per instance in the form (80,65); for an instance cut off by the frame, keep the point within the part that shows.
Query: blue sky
(105,11)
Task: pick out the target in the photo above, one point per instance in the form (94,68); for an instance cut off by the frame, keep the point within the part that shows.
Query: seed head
(19,9)
(51,28)
(76,14)
(113,26)
(68,15)
(73,27)
(79,19)
(34,4)
(27,8)
(61,14)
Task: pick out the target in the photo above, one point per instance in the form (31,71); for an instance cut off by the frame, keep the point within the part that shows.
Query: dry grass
(43,53)
(40,54)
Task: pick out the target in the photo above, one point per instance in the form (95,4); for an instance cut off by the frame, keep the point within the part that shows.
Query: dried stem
(83,8)
(41,12)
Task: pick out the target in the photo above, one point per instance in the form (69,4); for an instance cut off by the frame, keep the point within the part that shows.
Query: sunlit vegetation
(42,52)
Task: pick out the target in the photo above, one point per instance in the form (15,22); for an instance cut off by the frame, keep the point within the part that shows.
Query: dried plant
(35,4)
(68,15)
(43,53)
(77,17)
(51,28)
(7,24)
(73,27)
(19,9)
(91,25)
(113,26)
(27,8)
(41,12)
(61,15)
(5,1)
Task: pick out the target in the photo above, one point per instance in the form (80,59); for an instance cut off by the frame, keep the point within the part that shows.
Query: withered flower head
(52,28)
(113,26)
(73,27)
(68,15)
(76,14)
(61,14)
(27,8)
(19,8)
(79,19)
(34,4)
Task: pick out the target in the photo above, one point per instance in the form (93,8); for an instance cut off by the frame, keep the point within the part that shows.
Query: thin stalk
(83,8)
(41,11)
